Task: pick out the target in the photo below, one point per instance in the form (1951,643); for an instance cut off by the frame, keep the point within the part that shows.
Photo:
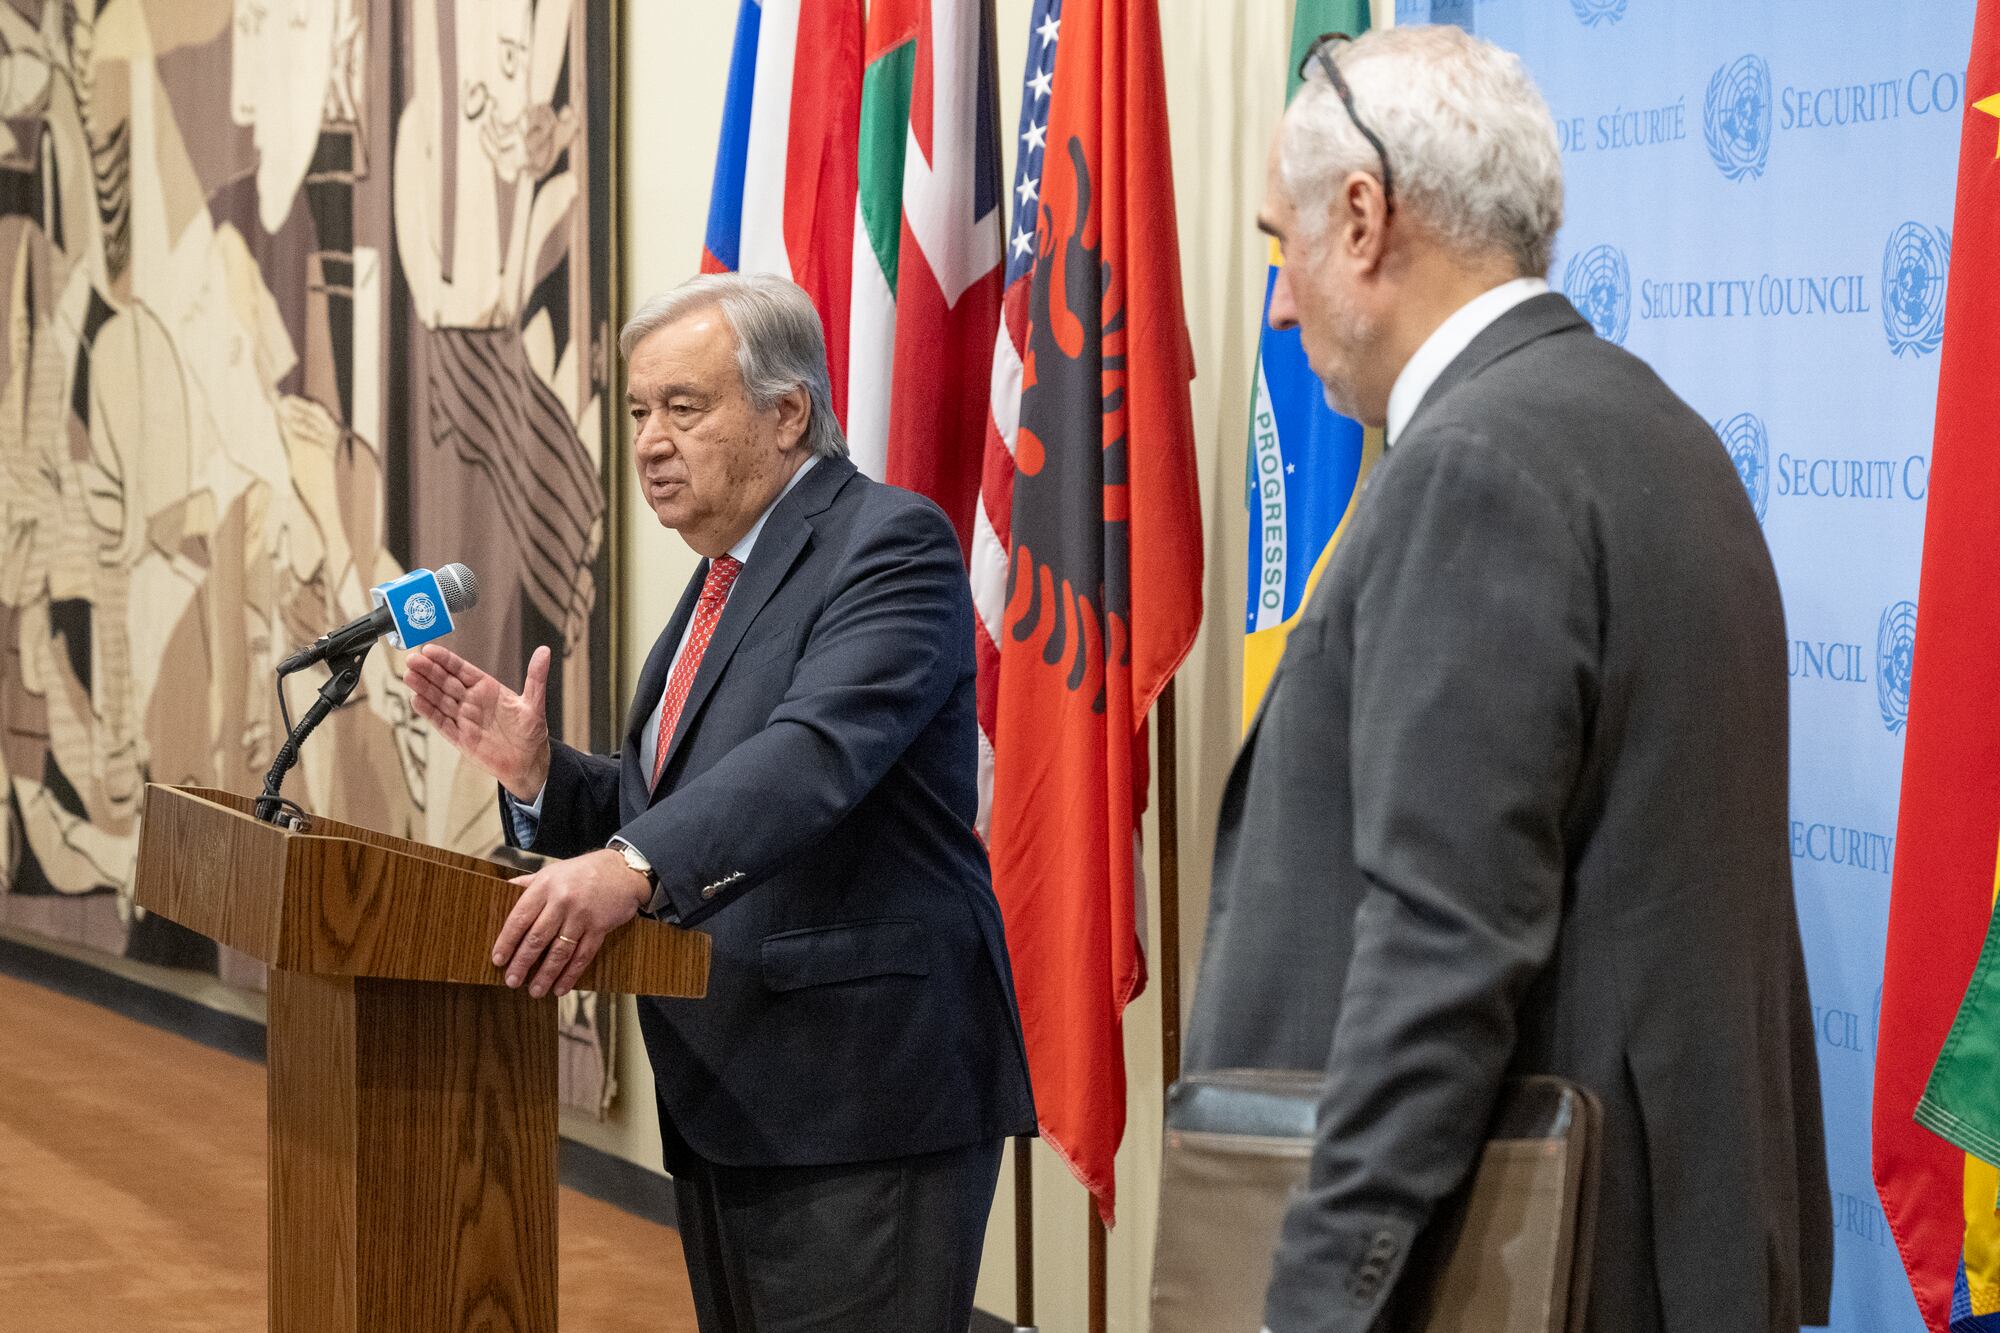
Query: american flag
(992,524)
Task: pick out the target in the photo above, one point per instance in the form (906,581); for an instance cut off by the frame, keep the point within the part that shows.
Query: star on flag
(1991,106)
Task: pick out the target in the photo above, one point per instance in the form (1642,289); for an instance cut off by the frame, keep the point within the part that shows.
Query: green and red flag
(1940,1200)
(1090,492)
(927,251)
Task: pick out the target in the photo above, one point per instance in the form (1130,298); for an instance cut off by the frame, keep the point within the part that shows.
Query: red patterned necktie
(722,572)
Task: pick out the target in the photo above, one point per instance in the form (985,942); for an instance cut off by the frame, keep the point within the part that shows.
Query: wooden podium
(413,1096)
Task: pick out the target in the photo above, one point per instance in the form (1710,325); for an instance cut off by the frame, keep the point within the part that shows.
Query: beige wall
(1225,86)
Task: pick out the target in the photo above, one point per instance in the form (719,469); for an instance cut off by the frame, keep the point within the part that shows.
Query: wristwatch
(636,859)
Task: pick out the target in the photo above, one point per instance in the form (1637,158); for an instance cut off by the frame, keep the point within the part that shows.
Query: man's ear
(794,410)
(1361,211)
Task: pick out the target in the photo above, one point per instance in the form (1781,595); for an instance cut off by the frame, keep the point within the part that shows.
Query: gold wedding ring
(566,939)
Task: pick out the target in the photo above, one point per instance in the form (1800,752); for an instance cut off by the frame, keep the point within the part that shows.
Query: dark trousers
(873,1247)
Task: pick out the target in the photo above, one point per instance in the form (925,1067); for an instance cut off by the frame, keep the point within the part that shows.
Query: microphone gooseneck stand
(271,807)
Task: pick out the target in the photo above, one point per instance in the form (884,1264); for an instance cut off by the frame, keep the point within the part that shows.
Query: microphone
(413,609)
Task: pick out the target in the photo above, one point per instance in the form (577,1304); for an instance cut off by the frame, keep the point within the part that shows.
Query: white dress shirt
(1446,342)
(528,817)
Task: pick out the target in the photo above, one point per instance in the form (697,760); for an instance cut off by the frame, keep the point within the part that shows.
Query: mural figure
(243,378)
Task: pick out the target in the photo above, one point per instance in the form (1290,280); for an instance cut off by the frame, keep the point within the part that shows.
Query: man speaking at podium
(797,779)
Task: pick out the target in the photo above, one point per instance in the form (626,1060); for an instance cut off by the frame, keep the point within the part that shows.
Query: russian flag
(786,170)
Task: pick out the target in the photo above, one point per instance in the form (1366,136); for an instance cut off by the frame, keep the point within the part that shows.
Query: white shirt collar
(741,551)
(1446,342)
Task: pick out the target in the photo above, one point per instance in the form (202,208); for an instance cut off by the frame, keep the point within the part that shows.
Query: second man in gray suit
(1516,799)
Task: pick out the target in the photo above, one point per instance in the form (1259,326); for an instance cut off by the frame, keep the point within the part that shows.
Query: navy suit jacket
(816,819)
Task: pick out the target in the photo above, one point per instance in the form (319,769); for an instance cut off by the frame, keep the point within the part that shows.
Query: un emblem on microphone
(1895,649)
(1749,448)
(1738,118)
(1599,285)
(420,611)
(1593,12)
(1913,281)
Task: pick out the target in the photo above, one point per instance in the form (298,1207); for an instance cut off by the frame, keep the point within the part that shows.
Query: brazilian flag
(1305,460)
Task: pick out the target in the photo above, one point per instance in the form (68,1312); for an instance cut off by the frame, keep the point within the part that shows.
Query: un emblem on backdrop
(1895,648)
(1749,448)
(1593,12)
(1914,265)
(1738,118)
(1599,285)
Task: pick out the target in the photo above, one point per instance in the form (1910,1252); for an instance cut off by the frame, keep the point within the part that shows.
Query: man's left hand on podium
(562,917)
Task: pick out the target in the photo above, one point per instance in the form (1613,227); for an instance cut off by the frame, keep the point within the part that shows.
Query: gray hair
(1472,148)
(779,345)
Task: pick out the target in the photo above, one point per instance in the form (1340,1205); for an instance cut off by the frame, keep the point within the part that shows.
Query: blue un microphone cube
(417,604)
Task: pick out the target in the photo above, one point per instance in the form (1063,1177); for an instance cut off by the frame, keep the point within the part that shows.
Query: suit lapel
(778,547)
(1533,319)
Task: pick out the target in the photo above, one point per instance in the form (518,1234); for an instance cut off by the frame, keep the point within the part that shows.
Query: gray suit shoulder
(1596,428)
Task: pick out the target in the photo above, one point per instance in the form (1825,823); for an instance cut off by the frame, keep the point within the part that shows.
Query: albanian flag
(1103,592)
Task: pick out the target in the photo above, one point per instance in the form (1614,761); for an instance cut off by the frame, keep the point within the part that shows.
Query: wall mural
(295,295)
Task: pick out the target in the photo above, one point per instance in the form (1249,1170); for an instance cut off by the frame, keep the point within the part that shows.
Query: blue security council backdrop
(1759,204)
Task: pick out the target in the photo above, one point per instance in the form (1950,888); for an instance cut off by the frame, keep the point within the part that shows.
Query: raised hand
(505,733)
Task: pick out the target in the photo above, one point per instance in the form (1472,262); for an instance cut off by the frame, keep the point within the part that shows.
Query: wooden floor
(132,1190)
